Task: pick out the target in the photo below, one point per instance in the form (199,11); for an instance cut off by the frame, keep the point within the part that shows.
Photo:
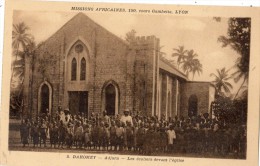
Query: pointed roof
(80,16)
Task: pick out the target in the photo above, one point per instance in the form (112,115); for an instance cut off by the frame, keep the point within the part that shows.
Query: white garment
(62,116)
(171,135)
(125,119)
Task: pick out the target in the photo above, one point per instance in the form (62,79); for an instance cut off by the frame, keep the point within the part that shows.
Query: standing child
(51,126)
(113,135)
(35,134)
(70,135)
(101,135)
(24,131)
(62,134)
(171,136)
(107,136)
(119,136)
(43,133)
(79,135)
(140,136)
(95,135)
(135,130)
(87,137)
(129,136)
(55,134)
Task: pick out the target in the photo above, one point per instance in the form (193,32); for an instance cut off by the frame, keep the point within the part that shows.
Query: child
(101,135)
(51,126)
(62,134)
(35,134)
(129,136)
(78,135)
(55,134)
(70,135)
(95,135)
(163,138)
(171,136)
(43,133)
(87,137)
(135,130)
(119,136)
(107,136)
(24,131)
(140,136)
(113,135)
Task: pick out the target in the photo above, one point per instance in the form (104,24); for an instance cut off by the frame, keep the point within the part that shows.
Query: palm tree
(197,67)
(23,44)
(20,39)
(188,62)
(221,81)
(241,73)
(180,53)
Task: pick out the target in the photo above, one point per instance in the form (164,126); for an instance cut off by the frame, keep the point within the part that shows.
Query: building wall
(144,74)
(201,90)
(109,59)
(133,69)
(168,95)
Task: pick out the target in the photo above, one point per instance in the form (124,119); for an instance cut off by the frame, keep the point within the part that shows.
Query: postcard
(115,84)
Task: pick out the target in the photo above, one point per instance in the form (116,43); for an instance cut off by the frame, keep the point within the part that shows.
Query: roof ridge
(83,14)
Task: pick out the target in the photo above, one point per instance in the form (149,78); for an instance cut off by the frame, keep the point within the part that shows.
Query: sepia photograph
(121,81)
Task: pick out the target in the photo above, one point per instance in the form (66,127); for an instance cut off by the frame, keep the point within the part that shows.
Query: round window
(78,48)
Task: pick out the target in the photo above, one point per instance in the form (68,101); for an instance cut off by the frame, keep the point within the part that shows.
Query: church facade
(87,69)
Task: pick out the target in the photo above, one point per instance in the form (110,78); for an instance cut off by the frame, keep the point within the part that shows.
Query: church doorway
(78,102)
(110,98)
(44,98)
(45,94)
(193,106)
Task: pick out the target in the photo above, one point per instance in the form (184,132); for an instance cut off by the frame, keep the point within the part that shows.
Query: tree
(197,67)
(180,53)
(188,62)
(238,38)
(186,59)
(18,71)
(20,66)
(221,81)
(20,39)
(22,42)
(130,36)
(238,75)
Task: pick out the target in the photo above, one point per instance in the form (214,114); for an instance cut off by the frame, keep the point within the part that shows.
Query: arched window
(83,69)
(73,69)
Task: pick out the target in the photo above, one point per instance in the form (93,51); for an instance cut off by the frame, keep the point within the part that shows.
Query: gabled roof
(81,15)
(165,65)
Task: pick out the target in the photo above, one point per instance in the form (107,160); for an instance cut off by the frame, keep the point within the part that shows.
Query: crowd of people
(141,134)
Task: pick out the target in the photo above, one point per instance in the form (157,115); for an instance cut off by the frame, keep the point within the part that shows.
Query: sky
(197,33)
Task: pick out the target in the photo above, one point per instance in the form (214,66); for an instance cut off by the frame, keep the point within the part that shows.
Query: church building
(86,68)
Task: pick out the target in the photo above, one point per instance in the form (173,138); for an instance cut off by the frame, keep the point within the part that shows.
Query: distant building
(86,68)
